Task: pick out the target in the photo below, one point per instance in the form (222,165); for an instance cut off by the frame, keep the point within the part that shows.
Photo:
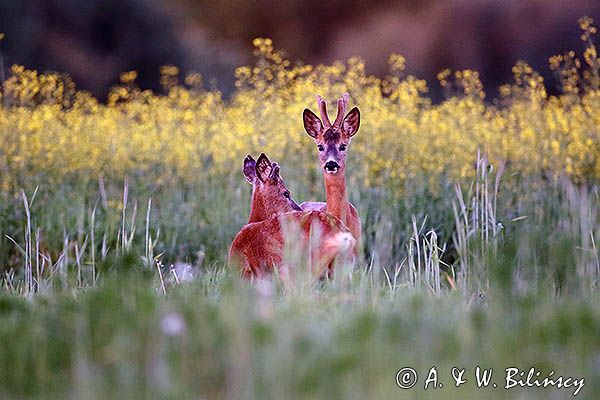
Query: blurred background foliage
(95,40)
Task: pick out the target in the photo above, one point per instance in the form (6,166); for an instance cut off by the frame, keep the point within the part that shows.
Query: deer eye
(286,195)
(320,147)
(342,147)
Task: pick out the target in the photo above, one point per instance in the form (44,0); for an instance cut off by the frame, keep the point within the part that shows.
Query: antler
(323,110)
(342,105)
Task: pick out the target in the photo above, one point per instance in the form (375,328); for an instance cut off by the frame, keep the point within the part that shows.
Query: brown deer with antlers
(276,221)
(332,143)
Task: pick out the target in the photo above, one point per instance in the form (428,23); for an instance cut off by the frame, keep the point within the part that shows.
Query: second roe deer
(275,223)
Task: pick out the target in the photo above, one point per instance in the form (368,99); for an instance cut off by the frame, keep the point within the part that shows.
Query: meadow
(480,228)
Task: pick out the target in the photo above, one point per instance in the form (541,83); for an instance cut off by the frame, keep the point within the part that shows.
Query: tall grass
(517,286)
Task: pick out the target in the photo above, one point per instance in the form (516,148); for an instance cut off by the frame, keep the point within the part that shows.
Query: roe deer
(332,143)
(276,221)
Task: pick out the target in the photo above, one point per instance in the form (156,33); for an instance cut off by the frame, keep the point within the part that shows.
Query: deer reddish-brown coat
(332,141)
(274,222)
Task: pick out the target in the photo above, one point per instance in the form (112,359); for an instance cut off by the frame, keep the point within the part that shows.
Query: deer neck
(336,197)
(257,209)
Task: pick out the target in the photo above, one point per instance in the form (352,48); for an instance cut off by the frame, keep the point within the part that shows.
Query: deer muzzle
(331,167)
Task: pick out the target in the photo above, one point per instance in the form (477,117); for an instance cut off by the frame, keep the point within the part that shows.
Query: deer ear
(274,171)
(263,167)
(249,169)
(312,123)
(351,122)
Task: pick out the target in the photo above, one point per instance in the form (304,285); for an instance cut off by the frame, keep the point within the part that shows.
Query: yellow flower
(190,133)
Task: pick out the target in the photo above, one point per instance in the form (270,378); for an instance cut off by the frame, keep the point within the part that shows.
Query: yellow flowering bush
(51,132)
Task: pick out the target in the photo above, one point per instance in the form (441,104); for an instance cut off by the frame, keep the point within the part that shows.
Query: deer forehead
(278,182)
(331,135)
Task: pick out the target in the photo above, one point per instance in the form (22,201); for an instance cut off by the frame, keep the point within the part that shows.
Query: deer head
(270,196)
(332,139)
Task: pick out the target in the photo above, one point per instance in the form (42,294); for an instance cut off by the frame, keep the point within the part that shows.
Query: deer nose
(331,166)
